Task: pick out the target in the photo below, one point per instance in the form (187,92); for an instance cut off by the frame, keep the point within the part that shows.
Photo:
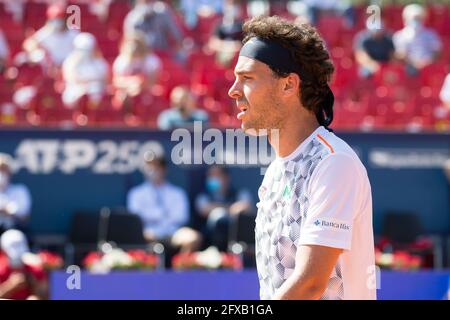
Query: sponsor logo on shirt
(338,226)
(287,192)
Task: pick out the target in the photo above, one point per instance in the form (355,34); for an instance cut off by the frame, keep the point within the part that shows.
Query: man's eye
(246,78)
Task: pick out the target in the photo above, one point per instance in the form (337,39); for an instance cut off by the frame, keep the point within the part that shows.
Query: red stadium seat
(439,18)
(35,14)
(205,28)
(433,75)
(118,9)
(392,15)
(330,28)
(14,33)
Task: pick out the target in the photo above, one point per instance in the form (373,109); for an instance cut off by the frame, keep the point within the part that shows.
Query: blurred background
(90,92)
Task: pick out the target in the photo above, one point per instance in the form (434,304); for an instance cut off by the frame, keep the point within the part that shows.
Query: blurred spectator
(136,68)
(445,92)
(227,38)
(157,22)
(163,208)
(218,203)
(85,72)
(20,278)
(100,8)
(183,112)
(54,41)
(192,9)
(4,52)
(373,47)
(15,199)
(415,44)
(317,7)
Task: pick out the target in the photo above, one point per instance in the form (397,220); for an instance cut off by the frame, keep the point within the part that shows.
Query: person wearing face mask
(135,70)
(163,208)
(15,199)
(54,40)
(218,203)
(373,47)
(85,72)
(416,45)
(183,112)
(21,277)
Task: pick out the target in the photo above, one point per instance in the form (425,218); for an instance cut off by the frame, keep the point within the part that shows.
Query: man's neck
(291,136)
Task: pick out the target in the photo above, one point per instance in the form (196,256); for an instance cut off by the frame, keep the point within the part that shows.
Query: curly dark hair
(307,49)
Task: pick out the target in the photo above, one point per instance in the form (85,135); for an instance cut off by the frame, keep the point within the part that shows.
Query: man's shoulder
(136,190)
(175,189)
(430,33)
(340,147)
(337,150)
(18,188)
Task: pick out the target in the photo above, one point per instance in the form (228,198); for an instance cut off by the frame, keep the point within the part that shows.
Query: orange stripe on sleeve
(326,142)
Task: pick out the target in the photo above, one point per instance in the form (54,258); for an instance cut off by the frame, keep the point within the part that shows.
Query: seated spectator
(53,43)
(373,47)
(415,44)
(163,208)
(227,38)
(15,199)
(85,72)
(183,112)
(157,22)
(344,8)
(445,92)
(4,52)
(218,203)
(20,278)
(192,9)
(135,70)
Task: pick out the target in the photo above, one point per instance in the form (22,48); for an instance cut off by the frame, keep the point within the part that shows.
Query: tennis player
(314,236)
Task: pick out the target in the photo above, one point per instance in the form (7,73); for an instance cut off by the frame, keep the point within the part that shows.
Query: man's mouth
(242,113)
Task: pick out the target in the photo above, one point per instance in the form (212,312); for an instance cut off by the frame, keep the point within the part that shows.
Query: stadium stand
(391,100)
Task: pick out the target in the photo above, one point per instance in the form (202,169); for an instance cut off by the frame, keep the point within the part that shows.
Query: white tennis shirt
(318,195)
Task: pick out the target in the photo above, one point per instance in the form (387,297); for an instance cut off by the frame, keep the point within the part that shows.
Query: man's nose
(235,91)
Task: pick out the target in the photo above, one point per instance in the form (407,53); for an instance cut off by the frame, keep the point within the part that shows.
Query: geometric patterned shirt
(318,195)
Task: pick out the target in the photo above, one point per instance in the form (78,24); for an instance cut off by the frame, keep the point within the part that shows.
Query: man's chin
(253,131)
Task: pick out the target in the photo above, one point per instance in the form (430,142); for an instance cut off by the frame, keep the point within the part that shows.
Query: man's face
(257,94)
(155,172)
(217,181)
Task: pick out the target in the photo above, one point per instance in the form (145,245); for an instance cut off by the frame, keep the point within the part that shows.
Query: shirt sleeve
(201,202)
(23,202)
(335,192)
(132,203)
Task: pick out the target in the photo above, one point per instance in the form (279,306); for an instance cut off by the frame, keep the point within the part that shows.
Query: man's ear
(291,85)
